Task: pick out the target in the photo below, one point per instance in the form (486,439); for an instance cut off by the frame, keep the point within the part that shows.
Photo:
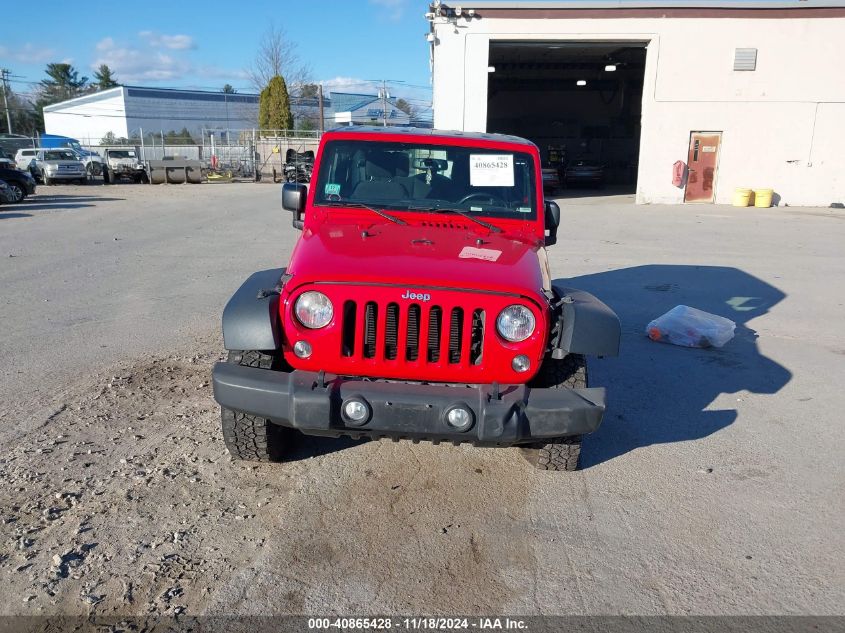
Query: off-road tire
(559,453)
(249,437)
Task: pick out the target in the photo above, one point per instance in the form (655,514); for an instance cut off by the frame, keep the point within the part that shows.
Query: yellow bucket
(742,197)
(763,198)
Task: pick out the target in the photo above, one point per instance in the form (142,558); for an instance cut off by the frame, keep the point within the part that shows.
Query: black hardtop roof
(429,133)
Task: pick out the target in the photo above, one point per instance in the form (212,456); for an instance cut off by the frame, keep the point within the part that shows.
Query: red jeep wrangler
(418,304)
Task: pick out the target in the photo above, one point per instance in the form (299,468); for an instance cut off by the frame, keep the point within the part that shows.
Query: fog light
(459,417)
(356,412)
(302,349)
(521,363)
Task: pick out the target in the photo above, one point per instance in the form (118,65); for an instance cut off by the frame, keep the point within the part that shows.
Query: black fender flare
(584,325)
(251,317)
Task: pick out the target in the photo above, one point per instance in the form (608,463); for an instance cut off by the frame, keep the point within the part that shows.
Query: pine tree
(63,82)
(229,89)
(105,78)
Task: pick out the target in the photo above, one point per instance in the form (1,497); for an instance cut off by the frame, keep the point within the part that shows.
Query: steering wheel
(486,196)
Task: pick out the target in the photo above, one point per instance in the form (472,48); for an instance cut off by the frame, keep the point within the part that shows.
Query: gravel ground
(713,487)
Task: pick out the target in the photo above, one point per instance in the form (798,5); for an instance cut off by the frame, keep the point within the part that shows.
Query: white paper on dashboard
(491,170)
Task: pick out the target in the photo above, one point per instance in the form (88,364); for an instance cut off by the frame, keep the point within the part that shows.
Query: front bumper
(64,175)
(303,400)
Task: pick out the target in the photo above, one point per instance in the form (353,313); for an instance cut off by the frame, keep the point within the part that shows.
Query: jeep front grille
(399,334)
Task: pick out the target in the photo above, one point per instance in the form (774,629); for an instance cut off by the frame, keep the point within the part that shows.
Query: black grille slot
(476,340)
(435,323)
(348,340)
(412,344)
(370,317)
(456,327)
(391,331)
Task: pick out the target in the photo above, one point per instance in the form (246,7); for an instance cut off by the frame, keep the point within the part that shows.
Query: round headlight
(314,309)
(515,323)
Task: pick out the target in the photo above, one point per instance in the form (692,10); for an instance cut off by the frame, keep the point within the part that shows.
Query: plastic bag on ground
(689,327)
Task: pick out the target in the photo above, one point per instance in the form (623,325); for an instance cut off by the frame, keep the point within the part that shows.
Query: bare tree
(277,55)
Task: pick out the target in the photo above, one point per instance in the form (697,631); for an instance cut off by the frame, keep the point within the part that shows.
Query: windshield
(59,155)
(121,154)
(416,176)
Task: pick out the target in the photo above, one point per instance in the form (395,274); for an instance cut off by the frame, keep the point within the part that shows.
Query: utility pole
(322,116)
(384,102)
(5,78)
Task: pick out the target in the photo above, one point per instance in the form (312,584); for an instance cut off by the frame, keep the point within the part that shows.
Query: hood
(443,252)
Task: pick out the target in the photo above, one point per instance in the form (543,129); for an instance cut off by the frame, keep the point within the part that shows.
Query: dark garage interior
(580,102)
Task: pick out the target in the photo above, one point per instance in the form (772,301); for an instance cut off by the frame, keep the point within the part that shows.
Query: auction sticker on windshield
(491,170)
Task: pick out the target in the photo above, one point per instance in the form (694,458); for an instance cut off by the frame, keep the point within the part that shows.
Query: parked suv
(417,304)
(123,163)
(51,165)
(92,161)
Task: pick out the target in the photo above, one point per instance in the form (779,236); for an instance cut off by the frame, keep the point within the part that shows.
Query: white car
(52,165)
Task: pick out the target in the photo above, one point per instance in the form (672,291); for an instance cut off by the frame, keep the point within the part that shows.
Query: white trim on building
(782,124)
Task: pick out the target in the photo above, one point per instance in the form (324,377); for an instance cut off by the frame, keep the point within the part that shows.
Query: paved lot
(714,485)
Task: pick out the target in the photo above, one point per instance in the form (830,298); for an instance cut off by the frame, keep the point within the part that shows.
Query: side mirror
(293,200)
(552,222)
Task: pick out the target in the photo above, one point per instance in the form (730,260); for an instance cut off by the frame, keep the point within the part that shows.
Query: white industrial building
(126,111)
(747,93)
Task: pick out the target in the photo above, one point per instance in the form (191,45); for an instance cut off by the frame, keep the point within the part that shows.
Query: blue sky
(207,44)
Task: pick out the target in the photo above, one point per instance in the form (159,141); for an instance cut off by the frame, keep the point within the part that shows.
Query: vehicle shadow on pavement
(8,216)
(659,393)
(64,199)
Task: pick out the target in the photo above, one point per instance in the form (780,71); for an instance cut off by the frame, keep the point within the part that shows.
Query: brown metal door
(703,162)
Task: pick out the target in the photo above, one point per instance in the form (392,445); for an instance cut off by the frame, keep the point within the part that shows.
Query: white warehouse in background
(746,93)
(126,110)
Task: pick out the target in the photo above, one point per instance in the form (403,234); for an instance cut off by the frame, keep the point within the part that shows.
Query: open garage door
(580,102)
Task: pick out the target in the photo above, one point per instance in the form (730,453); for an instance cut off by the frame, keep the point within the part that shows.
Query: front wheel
(560,453)
(249,437)
(18,194)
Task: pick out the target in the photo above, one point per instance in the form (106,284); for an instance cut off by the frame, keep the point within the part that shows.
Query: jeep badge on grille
(417,296)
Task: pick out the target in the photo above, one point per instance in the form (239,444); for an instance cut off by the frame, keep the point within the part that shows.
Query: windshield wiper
(358,205)
(468,216)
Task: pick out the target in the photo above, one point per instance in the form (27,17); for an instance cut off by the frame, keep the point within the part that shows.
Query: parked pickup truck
(417,304)
(123,163)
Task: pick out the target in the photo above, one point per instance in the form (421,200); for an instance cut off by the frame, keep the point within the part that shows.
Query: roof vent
(745,59)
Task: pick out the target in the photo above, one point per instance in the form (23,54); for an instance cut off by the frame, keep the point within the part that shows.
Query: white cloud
(144,62)
(28,54)
(173,42)
(223,74)
(350,84)
(134,65)
(393,9)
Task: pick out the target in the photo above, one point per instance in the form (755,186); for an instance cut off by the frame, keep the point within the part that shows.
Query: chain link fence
(253,154)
